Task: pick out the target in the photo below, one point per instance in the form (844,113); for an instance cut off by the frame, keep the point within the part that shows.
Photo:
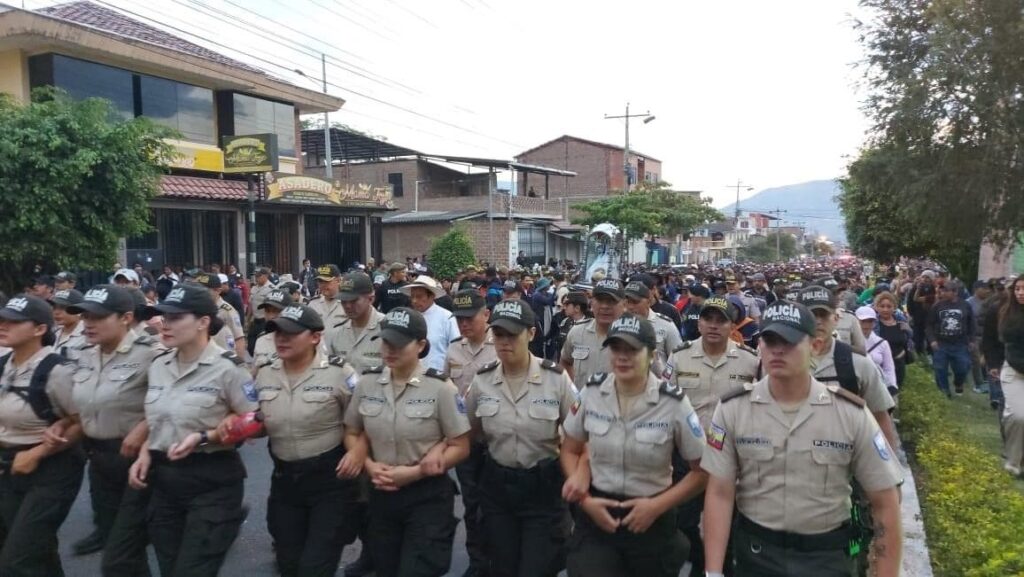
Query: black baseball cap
(817,297)
(327,272)
(296,318)
(106,299)
(354,285)
(402,326)
(511,286)
(208,280)
(66,298)
(699,290)
(468,302)
(514,316)
(185,298)
(609,287)
(277,299)
(790,320)
(637,290)
(635,331)
(23,307)
(289,286)
(721,305)
(43,279)
(66,276)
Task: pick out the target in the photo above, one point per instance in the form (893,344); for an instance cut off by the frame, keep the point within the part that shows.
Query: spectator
(878,349)
(442,328)
(895,332)
(950,332)
(991,346)
(168,274)
(543,304)
(920,299)
(1011,375)
(307,278)
(982,291)
(390,294)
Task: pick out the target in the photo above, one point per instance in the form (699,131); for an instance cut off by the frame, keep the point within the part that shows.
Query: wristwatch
(204,439)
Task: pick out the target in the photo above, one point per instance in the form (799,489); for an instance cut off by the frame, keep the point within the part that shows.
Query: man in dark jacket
(390,294)
(950,332)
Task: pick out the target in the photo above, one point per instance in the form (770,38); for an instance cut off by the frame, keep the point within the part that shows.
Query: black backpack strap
(842,356)
(3,363)
(35,394)
(875,346)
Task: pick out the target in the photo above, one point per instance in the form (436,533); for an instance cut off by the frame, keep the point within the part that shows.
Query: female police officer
(196,504)
(628,423)
(303,396)
(518,403)
(38,480)
(405,410)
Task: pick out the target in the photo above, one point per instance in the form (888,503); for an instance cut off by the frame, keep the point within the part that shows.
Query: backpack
(35,393)
(846,376)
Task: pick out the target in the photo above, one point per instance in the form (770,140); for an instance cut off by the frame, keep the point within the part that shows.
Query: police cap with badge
(402,326)
(791,321)
(105,300)
(635,331)
(296,318)
(514,316)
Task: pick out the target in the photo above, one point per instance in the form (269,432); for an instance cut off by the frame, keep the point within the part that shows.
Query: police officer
(390,294)
(638,302)
(265,350)
(575,308)
(691,312)
(38,481)
(231,336)
(357,338)
(326,304)
(110,384)
(628,424)
(195,508)
(406,410)
(303,394)
(782,450)
(517,404)
(259,292)
(69,331)
(582,356)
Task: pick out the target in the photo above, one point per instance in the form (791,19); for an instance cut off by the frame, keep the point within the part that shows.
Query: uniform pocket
(420,410)
(122,374)
(649,435)
(487,409)
(316,396)
(688,382)
(269,394)
(370,409)
(153,394)
(199,399)
(597,427)
(543,411)
(835,465)
(580,353)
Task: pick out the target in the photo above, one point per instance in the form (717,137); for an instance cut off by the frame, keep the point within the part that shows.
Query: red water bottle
(242,427)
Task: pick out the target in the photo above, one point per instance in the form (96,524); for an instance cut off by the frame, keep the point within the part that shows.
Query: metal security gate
(333,239)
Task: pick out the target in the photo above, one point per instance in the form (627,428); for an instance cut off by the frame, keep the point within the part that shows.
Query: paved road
(251,555)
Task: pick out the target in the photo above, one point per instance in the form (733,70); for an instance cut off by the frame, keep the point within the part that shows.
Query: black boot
(90,544)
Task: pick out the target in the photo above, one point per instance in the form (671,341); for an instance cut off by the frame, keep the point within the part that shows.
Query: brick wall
(598,169)
(403,240)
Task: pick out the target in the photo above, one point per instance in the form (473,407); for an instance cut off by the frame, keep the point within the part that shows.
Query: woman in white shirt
(877,347)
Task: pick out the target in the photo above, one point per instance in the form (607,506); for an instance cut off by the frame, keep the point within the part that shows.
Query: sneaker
(960,391)
(1015,471)
(361,566)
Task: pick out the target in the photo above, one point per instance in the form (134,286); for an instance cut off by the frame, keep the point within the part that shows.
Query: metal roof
(428,216)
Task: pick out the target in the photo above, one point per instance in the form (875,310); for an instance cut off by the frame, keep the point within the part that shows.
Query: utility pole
(328,157)
(647,116)
(736,222)
(778,212)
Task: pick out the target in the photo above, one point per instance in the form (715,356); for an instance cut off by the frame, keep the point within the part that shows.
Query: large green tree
(73,180)
(450,253)
(650,210)
(763,249)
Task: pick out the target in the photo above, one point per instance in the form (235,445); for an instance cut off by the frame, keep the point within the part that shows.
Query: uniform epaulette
(553,366)
(436,374)
(231,356)
(683,346)
(744,390)
(846,395)
(488,367)
(85,346)
(336,360)
(747,348)
(144,340)
(265,363)
(316,297)
(596,379)
(664,317)
(226,307)
(341,323)
(671,390)
(457,339)
(377,369)
(583,321)
(163,352)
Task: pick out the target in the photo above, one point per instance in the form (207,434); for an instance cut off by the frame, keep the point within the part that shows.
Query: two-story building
(199,218)
(600,168)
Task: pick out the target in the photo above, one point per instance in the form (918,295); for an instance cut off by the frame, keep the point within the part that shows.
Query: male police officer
(326,304)
(357,338)
(581,354)
(638,302)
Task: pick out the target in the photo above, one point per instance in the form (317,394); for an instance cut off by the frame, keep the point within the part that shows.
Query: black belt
(160,457)
(102,445)
(323,461)
(829,541)
(543,470)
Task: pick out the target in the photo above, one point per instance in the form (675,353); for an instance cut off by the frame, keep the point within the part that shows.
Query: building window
(533,243)
(183,107)
(395,180)
(81,80)
(258,116)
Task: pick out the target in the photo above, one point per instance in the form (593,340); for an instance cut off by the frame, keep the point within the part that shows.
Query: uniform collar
(818,395)
(415,379)
(533,374)
(126,343)
(375,317)
(209,354)
(651,389)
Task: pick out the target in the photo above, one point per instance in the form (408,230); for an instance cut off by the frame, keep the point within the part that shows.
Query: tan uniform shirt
(584,346)
(19,425)
(631,454)
(521,428)
(872,389)
(668,338)
(265,350)
(258,294)
(331,311)
(305,419)
(109,392)
(464,361)
(184,400)
(362,351)
(796,477)
(706,380)
(848,331)
(69,344)
(404,420)
(232,331)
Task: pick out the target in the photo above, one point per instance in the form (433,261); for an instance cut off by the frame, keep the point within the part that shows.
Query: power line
(412,13)
(349,19)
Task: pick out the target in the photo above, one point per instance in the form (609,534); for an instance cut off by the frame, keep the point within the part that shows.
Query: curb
(916,560)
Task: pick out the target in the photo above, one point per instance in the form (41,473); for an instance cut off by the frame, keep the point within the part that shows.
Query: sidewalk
(916,561)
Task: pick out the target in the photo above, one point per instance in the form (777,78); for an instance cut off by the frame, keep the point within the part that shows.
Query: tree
(762,249)
(651,209)
(450,253)
(73,180)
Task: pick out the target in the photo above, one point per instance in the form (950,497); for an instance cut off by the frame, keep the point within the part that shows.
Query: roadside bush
(450,253)
(973,514)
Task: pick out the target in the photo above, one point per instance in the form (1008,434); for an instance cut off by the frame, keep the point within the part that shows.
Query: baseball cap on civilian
(185,298)
(511,286)
(354,285)
(514,316)
(327,272)
(104,300)
(637,290)
(66,276)
(23,307)
(466,303)
(296,318)
(402,326)
(865,312)
(789,320)
(699,290)
(128,274)
(609,287)
(721,305)
(209,280)
(277,299)
(817,297)
(635,331)
(66,298)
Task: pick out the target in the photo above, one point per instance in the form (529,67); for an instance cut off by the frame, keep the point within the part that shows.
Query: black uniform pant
(195,511)
(311,515)
(412,529)
(119,510)
(658,552)
(468,473)
(761,552)
(33,507)
(524,518)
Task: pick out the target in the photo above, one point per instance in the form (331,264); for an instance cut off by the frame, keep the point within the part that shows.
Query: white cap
(223,278)
(865,312)
(127,273)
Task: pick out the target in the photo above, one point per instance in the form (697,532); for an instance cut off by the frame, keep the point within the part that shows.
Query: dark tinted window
(258,116)
(185,108)
(395,180)
(81,80)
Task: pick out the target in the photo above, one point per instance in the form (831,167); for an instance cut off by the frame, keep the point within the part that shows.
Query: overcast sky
(762,91)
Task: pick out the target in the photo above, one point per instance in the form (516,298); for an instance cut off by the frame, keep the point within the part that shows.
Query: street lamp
(647,116)
(736,223)
(328,157)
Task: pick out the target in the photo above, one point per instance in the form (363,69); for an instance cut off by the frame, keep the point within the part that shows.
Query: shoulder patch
(370,370)
(341,323)
(846,395)
(226,307)
(436,374)
(683,346)
(336,361)
(234,358)
(596,379)
(671,390)
(553,366)
(745,390)
(488,367)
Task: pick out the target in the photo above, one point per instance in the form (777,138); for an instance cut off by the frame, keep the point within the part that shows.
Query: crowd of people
(733,420)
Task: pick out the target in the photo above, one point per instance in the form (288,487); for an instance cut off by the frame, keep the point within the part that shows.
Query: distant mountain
(812,203)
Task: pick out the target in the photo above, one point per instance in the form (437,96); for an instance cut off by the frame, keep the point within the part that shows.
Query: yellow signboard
(309,190)
(193,156)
